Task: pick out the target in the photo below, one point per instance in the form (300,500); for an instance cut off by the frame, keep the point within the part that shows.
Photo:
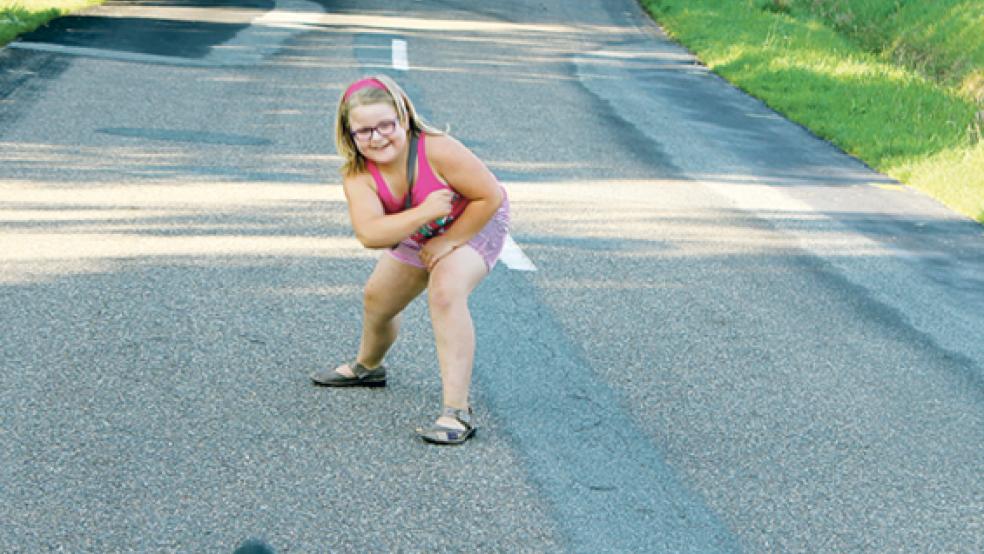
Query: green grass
(22,16)
(838,68)
(941,39)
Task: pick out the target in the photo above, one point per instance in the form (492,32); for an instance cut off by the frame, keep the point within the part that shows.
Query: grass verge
(23,16)
(923,130)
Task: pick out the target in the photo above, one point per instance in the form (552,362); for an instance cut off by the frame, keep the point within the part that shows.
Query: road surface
(716,333)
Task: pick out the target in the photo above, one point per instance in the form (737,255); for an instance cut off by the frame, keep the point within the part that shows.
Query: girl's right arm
(374,228)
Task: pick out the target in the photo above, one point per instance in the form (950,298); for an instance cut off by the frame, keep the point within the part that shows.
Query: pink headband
(361,84)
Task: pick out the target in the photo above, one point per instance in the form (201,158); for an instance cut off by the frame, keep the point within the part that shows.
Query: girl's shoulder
(444,148)
(361,179)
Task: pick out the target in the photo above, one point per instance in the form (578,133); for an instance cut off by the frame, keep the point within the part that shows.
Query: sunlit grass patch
(951,177)
(22,16)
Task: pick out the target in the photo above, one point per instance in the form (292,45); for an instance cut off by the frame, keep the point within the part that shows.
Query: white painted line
(400,59)
(514,258)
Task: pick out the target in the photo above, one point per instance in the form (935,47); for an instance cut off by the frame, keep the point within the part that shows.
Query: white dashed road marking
(400,59)
(514,258)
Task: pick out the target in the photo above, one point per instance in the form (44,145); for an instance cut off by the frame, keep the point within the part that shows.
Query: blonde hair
(392,94)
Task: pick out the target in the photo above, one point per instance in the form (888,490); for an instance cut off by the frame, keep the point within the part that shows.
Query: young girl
(443,219)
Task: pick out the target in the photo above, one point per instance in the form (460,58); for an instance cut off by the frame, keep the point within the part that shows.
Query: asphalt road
(737,337)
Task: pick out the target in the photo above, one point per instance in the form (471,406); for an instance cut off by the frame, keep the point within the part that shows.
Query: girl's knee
(371,295)
(376,300)
(443,295)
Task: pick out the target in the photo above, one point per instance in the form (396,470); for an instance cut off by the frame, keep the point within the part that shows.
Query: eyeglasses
(384,128)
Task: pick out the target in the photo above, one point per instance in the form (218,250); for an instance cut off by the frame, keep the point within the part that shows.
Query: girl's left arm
(457,165)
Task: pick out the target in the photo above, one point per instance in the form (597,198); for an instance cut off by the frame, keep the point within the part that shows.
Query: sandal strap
(463,417)
(359,370)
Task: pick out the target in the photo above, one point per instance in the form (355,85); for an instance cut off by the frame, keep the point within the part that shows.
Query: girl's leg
(390,288)
(451,282)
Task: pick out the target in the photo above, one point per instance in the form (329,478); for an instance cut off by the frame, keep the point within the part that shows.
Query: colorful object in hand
(441,224)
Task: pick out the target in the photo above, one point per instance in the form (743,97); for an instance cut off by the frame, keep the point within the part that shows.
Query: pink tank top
(425,184)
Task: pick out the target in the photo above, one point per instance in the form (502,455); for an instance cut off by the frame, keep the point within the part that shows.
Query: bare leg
(392,285)
(451,282)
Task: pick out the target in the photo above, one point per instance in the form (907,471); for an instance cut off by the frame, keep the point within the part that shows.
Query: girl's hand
(437,204)
(435,250)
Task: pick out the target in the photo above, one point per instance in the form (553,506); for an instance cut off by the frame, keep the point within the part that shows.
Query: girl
(443,217)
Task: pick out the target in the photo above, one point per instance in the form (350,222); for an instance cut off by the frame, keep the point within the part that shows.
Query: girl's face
(377,132)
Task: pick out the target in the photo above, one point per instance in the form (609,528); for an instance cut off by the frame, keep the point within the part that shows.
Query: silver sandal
(439,434)
(364,377)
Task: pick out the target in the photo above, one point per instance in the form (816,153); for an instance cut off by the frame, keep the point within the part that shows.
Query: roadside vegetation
(897,83)
(23,16)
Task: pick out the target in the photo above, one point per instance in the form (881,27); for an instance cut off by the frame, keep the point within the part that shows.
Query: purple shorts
(488,242)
